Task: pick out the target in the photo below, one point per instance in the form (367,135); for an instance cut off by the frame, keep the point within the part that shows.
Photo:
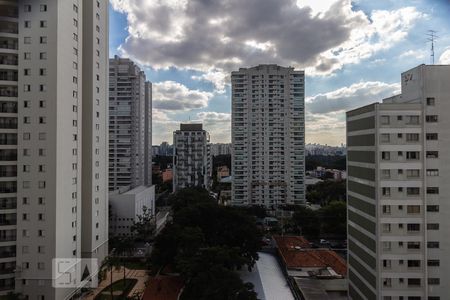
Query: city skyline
(372,43)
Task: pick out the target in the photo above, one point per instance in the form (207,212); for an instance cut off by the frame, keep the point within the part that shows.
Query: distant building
(316,273)
(126,205)
(192,157)
(397,191)
(165,149)
(321,172)
(129,125)
(222,171)
(325,150)
(220,149)
(268,136)
(155,150)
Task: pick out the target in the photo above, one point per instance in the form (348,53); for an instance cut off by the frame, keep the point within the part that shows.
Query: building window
(412,137)
(385,155)
(432,226)
(413,155)
(43,55)
(385,137)
(26,87)
(434,281)
(413,209)
(384,120)
(42,72)
(432,136)
(433,262)
(413,173)
(432,190)
(432,172)
(27,8)
(431,101)
(413,191)
(432,154)
(43,40)
(43,7)
(413,227)
(27,55)
(432,208)
(433,245)
(43,24)
(27,24)
(413,120)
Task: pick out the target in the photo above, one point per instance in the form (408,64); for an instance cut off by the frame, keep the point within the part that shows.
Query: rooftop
(163,288)
(296,253)
(191,127)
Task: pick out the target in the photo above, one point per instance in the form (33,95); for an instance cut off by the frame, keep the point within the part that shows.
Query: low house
(314,273)
(126,205)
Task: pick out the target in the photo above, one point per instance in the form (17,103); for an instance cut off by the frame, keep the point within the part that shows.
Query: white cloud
(216,37)
(317,7)
(173,96)
(445,57)
(217,124)
(325,113)
(217,77)
(355,95)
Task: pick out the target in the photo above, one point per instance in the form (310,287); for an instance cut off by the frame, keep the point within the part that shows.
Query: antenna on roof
(432,38)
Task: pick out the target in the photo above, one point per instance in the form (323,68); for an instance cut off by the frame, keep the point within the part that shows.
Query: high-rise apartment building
(53,140)
(192,157)
(398,182)
(268,136)
(130,122)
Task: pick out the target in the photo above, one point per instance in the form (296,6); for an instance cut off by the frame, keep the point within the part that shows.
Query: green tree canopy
(206,243)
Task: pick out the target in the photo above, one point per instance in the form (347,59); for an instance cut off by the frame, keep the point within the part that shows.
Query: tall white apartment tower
(268,136)
(191,157)
(53,140)
(129,126)
(398,187)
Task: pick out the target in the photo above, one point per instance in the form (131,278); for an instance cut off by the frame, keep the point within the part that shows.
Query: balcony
(8,91)
(9,27)
(8,123)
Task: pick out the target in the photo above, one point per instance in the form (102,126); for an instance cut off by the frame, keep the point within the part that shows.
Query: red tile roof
(297,253)
(163,288)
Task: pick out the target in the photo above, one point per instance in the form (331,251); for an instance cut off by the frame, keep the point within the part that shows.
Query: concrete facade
(268,136)
(129,125)
(54,111)
(192,165)
(398,179)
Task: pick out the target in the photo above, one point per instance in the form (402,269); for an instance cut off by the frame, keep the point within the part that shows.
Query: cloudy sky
(353,53)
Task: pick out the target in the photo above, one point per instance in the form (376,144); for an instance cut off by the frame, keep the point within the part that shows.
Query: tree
(334,218)
(206,243)
(218,283)
(324,192)
(112,262)
(144,227)
(306,222)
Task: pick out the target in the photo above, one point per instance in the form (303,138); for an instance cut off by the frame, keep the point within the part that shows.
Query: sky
(353,53)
